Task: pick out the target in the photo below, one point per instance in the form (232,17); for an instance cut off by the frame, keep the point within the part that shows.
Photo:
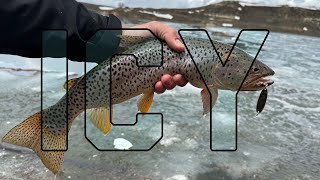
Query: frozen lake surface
(281,143)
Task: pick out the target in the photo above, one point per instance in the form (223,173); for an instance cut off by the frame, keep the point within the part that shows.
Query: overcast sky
(196,3)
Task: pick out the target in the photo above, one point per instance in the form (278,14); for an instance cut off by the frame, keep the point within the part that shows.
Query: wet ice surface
(280,143)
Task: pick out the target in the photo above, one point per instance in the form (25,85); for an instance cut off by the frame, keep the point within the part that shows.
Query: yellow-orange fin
(145,101)
(100,117)
(28,134)
(70,83)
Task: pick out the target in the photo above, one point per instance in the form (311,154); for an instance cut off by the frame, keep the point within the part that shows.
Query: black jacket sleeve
(22,23)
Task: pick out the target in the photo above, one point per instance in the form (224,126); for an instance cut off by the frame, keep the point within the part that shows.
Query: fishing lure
(262,101)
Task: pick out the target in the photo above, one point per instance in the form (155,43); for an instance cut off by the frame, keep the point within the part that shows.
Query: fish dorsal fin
(128,41)
(71,83)
(100,117)
(145,101)
(206,98)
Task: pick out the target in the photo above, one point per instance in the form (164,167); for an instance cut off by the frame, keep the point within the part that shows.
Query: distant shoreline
(228,14)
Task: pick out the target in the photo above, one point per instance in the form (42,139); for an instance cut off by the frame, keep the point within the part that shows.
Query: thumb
(168,34)
(172,39)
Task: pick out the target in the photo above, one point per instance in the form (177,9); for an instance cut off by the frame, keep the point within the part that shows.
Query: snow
(166,16)
(122,144)
(106,8)
(227,25)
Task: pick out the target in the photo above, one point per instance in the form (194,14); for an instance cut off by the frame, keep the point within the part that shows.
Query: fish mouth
(258,83)
(263,81)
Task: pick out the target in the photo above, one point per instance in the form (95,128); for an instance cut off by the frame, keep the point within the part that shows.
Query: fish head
(230,76)
(256,79)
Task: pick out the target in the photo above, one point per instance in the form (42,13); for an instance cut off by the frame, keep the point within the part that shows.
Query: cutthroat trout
(129,80)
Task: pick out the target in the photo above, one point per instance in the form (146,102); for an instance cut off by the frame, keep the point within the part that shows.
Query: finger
(173,41)
(168,34)
(179,80)
(168,82)
(158,88)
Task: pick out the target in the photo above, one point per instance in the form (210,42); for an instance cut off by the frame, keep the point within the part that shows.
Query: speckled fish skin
(129,80)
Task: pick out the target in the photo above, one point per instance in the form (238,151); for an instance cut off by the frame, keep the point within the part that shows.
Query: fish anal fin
(145,101)
(28,134)
(205,95)
(100,117)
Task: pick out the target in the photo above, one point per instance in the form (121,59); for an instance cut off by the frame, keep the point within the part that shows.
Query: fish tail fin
(28,134)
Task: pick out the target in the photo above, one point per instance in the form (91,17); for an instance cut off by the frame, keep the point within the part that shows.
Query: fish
(119,79)
(262,101)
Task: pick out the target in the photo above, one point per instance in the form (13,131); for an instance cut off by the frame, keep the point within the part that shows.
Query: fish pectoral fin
(205,95)
(145,101)
(100,117)
(70,83)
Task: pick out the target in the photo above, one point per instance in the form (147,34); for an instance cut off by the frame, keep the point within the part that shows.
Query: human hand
(171,37)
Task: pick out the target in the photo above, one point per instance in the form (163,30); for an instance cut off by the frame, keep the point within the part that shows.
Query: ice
(63,75)
(122,144)
(191,143)
(227,24)
(178,177)
(36,89)
(3,153)
(6,76)
(281,143)
(11,61)
(169,141)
